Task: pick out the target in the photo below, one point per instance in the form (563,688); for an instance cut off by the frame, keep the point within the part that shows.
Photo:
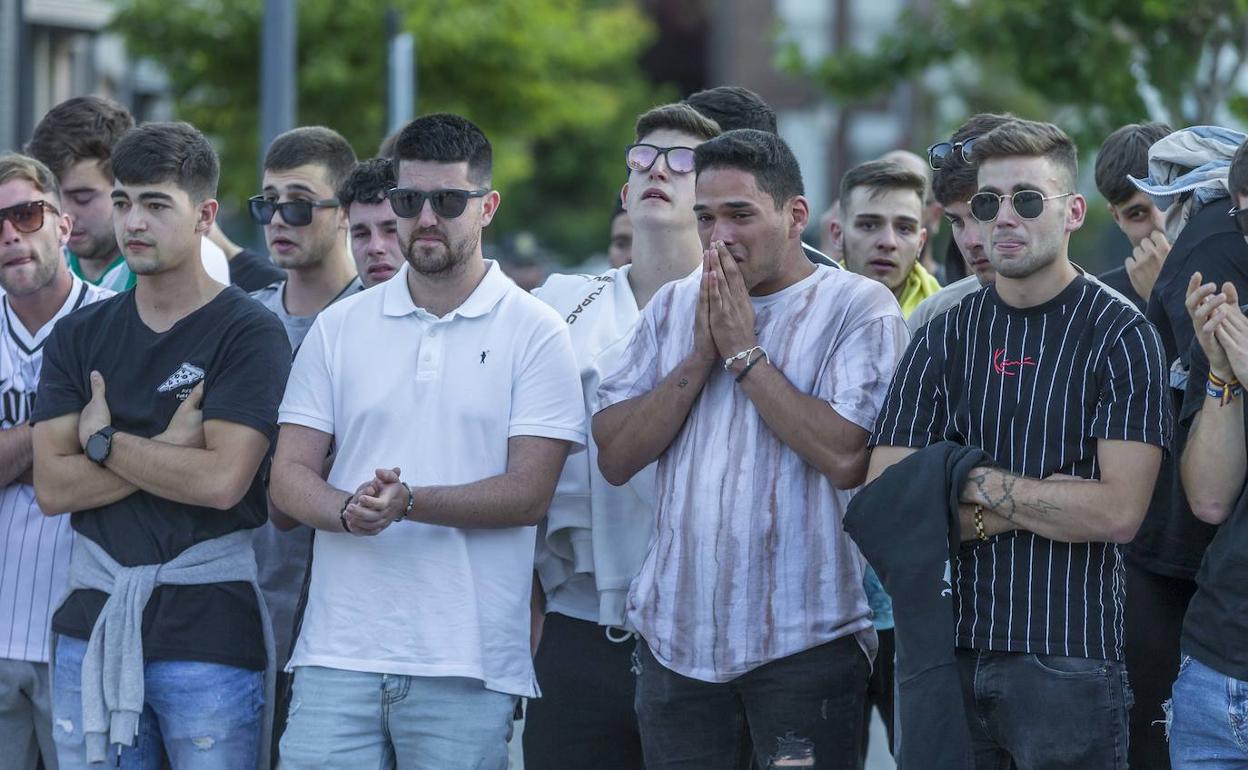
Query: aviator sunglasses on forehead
(641,157)
(294,213)
(408,202)
(1028,204)
(27,217)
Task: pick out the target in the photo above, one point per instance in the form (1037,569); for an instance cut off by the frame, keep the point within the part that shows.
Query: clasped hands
(377,503)
(724,324)
(1221,327)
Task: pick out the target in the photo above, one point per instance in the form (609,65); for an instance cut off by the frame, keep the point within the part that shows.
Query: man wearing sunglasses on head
(596,535)
(450,432)
(1064,386)
(39,290)
(75,139)
(1204,722)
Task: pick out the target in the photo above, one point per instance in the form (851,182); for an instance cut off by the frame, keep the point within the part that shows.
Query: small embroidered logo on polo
(185,376)
(484,353)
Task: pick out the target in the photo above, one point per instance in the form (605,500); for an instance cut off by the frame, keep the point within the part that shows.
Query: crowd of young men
(346,503)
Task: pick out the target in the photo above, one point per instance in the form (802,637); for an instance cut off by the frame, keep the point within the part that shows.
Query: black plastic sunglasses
(408,202)
(294,213)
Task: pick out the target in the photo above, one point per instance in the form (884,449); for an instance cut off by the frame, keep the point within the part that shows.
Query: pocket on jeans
(1069,666)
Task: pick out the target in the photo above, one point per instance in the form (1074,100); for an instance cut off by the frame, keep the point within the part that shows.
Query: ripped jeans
(802,711)
(205,716)
(1207,719)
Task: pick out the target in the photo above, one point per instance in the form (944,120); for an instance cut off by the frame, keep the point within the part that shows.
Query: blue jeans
(1045,712)
(1207,719)
(805,710)
(360,720)
(205,716)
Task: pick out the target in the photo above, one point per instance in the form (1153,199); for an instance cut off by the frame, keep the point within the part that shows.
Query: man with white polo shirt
(596,535)
(449,441)
(38,291)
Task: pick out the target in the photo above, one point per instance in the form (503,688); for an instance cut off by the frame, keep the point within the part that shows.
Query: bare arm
(809,426)
(297,488)
(16,454)
(65,480)
(518,497)
(633,433)
(216,476)
(1075,510)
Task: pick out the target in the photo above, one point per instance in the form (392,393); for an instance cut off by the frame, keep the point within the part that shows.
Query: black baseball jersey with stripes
(1035,388)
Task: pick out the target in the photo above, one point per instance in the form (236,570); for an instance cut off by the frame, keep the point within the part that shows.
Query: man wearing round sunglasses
(449,435)
(1063,384)
(594,538)
(75,139)
(39,290)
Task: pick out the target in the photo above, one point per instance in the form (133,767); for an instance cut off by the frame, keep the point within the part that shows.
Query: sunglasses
(1028,204)
(408,202)
(938,154)
(641,157)
(1239,215)
(27,217)
(294,213)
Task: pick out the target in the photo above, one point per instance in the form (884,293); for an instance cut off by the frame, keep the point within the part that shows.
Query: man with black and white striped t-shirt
(1064,386)
(38,290)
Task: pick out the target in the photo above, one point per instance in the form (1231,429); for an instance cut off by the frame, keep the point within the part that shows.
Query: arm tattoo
(684,381)
(1005,502)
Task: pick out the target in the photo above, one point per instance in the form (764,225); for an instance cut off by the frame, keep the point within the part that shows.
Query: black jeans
(1155,606)
(585,717)
(1045,712)
(808,706)
(881,690)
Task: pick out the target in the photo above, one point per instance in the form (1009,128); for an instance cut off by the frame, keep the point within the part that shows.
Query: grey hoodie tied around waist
(112,668)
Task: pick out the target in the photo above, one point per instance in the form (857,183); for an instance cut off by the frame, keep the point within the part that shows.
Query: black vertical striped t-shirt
(1035,388)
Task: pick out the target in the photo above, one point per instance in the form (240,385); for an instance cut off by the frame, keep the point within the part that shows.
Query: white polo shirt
(439,398)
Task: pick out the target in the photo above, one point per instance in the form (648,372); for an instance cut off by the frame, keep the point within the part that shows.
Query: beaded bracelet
(980,532)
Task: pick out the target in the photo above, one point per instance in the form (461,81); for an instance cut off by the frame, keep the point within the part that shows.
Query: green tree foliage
(554,84)
(1097,63)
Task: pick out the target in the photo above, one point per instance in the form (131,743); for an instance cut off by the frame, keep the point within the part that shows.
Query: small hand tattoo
(683,382)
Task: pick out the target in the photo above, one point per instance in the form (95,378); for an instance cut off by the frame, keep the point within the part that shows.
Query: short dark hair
(312,144)
(367,183)
(734,107)
(676,117)
(1030,138)
(78,129)
(1238,179)
(1126,152)
(14,166)
(956,180)
(880,176)
(445,138)
(761,153)
(156,153)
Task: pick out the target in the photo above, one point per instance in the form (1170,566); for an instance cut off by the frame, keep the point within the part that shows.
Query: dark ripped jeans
(805,710)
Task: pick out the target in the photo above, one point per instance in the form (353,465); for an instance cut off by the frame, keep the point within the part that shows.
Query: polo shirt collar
(492,288)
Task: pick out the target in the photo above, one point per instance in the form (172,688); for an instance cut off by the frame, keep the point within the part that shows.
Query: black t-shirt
(1035,388)
(1215,629)
(251,271)
(1118,280)
(1171,541)
(240,352)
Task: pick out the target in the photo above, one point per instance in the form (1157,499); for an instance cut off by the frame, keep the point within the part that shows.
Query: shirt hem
(1056,647)
(398,668)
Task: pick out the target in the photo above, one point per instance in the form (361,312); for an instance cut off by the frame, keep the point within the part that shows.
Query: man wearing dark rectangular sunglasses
(1064,385)
(39,290)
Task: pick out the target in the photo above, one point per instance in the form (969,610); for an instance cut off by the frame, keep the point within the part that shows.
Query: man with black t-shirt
(1064,386)
(155,411)
(1205,719)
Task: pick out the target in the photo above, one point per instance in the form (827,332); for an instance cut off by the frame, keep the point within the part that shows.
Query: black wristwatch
(100,445)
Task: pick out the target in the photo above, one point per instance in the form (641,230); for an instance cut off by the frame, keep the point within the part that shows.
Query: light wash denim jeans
(204,716)
(1207,719)
(360,720)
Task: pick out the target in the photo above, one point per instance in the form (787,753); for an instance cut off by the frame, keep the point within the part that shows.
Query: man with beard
(450,434)
(1064,385)
(75,139)
(374,227)
(39,291)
